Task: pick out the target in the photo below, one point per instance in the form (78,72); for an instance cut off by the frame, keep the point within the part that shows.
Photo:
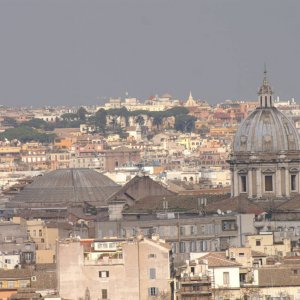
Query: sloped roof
(279,276)
(140,187)
(292,204)
(15,274)
(239,204)
(44,280)
(216,260)
(175,203)
(66,187)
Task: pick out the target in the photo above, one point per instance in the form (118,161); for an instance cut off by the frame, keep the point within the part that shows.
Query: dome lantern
(265,93)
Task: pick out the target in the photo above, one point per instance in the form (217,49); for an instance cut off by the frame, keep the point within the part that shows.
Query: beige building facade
(45,240)
(265,243)
(136,269)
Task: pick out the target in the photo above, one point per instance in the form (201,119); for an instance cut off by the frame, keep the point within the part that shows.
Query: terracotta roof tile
(218,260)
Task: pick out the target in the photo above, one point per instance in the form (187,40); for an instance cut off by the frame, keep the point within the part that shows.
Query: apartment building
(120,269)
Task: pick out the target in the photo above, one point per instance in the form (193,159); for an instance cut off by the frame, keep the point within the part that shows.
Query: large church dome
(266,130)
(265,158)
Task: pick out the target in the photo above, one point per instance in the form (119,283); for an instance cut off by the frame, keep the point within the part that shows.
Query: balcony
(105,261)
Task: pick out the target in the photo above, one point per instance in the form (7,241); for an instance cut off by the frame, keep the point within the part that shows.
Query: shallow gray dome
(266,130)
(66,187)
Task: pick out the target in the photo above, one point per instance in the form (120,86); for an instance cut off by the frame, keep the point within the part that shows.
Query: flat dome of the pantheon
(66,187)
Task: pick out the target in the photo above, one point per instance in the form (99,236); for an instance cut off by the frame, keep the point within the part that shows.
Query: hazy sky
(75,51)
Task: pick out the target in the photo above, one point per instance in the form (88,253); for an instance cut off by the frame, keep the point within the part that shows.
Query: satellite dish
(219,212)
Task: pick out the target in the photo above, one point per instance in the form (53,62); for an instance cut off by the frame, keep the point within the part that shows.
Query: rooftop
(65,187)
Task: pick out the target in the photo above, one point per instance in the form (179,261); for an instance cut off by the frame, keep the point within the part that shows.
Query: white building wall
(218,273)
(8,261)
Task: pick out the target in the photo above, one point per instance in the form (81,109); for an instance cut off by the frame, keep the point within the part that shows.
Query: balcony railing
(104,261)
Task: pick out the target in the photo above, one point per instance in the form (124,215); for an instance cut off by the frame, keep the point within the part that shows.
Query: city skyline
(74,53)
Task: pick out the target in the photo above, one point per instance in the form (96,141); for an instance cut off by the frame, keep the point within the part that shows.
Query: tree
(203,130)
(178,110)
(157,121)
(114,122)
(26,134)
(100,119)
(8,121)
(82,112)
(38,124)
(140,120)
(185,123)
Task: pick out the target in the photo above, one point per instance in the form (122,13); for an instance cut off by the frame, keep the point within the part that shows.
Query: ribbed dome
(66,187)
(266,130)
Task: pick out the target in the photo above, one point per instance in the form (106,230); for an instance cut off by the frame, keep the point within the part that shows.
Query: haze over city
(79,52)
(149,150)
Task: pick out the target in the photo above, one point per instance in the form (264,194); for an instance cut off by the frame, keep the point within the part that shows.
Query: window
(257,243)
(134,232)
(243,183)
(34,232)
(226,278)
(152,273)
(8,238)
(103,274)
(174,248)
(40,232)
(182,230)
(151,255)
(192,246)
(229,225)
(153,291)
(203,246)
(123,232)
(182,247)
(7,261)
(268,183)
(28,256)
(193,230)
(10,284)
(241,254)
(23,284)
(293,183)
(104,294)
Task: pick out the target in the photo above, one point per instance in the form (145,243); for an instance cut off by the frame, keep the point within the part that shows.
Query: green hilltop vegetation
(39,130)
(26,134)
